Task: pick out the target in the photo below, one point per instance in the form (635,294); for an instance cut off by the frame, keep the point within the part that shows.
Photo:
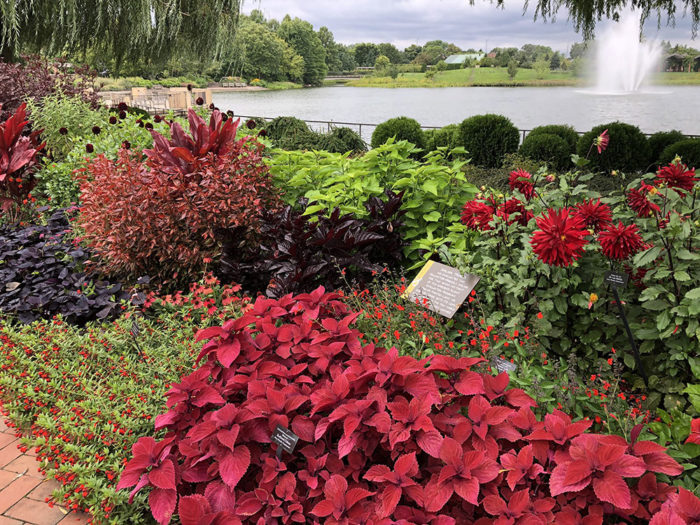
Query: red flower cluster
(620,242)
(560,239)
(677,176)
(596,215)
(521,180)
(477,215)
(383,438)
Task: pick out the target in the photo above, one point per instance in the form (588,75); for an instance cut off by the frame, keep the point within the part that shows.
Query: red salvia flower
(677,176)
(638,201)
(560,239)
(694,436)
(620,242)
(597,216)
(476,215)
(521,180)
(601,141)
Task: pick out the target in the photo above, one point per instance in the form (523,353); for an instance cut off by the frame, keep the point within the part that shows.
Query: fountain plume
(623,62)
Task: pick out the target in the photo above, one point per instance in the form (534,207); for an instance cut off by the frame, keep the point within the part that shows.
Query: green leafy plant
(488,138)
(434,190)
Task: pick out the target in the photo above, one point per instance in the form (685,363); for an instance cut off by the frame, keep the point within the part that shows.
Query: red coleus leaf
(220,496)
(193,509)
(162,503)
(163,476)
(612,488)
(233,465)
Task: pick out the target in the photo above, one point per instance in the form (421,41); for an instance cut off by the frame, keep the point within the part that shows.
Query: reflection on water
(660,109)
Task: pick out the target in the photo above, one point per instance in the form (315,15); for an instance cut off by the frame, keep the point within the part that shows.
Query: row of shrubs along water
(489,139)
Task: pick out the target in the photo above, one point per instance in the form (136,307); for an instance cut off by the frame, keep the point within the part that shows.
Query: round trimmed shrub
(403,128)
(688,150)
(281,128)
(342,140)
(488,138)
(548,148)
(301,140)
(658,142)
(628,148)
(443,137)
(560,130)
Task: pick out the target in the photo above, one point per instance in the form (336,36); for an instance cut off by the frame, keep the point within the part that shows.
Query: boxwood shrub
(628,149)
(403,128)
(658,142)
(488,138)
(283,127)
(442,137)
(567,133)
(688,150)
(548,148)
(342,140)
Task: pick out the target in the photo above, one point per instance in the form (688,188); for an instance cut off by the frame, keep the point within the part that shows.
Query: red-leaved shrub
(383,438)
(156,214)
(18,160)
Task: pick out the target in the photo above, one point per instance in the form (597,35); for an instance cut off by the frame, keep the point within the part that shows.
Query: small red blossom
(476,215)
(694,436)
(620,242)
(638,201)
(560,239)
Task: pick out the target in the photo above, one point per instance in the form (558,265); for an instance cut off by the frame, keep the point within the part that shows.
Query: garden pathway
(23,490)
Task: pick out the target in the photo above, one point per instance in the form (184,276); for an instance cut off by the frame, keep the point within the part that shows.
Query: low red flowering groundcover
(383,438)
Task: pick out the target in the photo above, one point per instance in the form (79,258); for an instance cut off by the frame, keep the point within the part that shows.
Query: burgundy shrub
(383,438)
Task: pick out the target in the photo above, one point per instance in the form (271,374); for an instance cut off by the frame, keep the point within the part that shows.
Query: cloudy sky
(405,22)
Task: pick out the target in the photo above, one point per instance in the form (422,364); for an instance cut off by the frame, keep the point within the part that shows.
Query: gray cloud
(405,22)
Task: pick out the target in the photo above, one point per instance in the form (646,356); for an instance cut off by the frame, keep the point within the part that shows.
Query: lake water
(664,108)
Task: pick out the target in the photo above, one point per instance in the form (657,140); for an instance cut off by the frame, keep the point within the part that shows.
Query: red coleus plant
(18,159)
(382,438)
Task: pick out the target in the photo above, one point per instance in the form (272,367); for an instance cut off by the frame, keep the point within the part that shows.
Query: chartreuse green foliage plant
(82,396)
(434,190)
(544,251)
(156,213)
(381,437)
(58,179)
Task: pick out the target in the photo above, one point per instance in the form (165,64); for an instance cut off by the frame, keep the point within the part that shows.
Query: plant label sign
(285,439)
(616,279)
(503,365)
(441,288)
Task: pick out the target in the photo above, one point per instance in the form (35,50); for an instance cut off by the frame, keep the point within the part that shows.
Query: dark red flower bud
(224,117)
(122,114)
(229,113)
(126,144)
(96,130)
(250,124)
(212,106)
(149,125)
(199,101)
(189,87)
(122,106)
(89,148)
(63,131)
(112,120)
(262,133)
(157,119)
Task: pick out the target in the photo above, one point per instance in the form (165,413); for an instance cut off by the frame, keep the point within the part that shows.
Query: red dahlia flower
(476,215)
(601,141)
(620,242)
(521,180)
(677,176)
(560,239)
(596,215)
(638,201)
(513,210)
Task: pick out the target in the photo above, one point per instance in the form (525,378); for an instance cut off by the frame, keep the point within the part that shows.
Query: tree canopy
(586,13)
(120,29)
(300,35)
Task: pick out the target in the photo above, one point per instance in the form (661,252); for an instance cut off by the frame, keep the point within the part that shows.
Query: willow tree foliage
(586,13)
(118,29)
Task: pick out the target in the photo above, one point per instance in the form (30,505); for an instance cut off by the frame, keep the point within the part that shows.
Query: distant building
(461,58)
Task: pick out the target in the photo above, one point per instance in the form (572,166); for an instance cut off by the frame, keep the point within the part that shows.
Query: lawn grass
(498,76)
